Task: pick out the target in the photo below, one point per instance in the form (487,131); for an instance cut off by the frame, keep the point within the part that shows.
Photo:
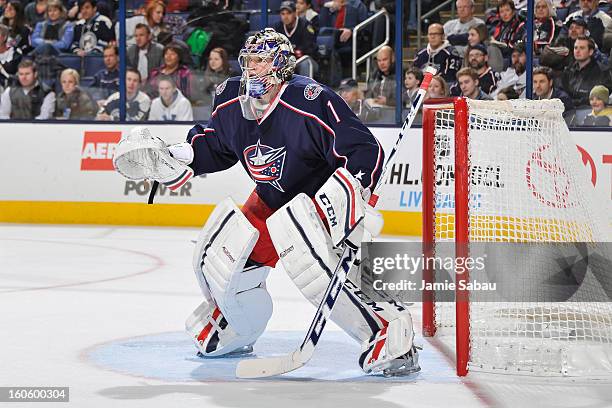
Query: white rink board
(47,159)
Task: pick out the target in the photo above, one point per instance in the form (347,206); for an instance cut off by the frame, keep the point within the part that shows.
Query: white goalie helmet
(266,60)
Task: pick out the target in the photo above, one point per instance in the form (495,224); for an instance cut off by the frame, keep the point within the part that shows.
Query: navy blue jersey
(307,133)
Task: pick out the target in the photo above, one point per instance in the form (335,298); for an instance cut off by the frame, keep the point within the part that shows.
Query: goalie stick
(272,366)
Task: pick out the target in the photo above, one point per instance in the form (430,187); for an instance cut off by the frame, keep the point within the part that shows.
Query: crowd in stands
(59,59)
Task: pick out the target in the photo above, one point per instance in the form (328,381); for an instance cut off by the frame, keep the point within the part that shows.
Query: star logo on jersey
(265,164)
(359,175)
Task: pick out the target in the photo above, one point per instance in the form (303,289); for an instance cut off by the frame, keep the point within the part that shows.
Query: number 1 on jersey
(333,111)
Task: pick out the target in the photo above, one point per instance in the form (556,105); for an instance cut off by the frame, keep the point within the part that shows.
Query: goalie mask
(266,60)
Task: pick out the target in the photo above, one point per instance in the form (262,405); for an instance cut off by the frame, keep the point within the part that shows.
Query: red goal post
(545,196)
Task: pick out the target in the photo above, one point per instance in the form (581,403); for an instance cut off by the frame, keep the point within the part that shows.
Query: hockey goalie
(314,164)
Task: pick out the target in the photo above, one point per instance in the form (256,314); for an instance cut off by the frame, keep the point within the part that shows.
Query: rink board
(62,174)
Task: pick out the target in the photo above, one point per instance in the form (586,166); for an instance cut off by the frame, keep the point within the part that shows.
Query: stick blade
(267,367)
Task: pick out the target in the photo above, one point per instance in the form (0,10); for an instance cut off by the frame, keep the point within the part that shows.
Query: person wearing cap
(301,34)
(456,30)
(599,23)
(515,75)
(349,91)
(381,88)
(561,55)
(601,115)
(579,78)
(478,59)
(174,68)
(543,88)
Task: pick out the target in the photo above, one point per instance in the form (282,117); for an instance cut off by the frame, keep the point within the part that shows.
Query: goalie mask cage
(508,171)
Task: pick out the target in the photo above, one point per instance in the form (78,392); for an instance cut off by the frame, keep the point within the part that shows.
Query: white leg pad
(238,306)
(307,255)
(214,336)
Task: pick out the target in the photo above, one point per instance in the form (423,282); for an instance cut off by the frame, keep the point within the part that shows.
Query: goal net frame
(460,120)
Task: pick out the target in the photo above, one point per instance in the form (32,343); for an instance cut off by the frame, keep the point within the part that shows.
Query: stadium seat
(251,4)
(234,66)
(133,4)
(580,114)
(70,61)
(326,43)
(255,21)
(87,82)
(93,64)
(273,19)
(201,112)
(562,13)
(274,5)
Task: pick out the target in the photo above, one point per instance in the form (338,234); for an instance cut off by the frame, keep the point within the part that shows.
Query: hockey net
(508,172)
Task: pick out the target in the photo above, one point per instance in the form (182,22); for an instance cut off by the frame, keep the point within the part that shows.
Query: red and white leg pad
(237,306)
(308,256)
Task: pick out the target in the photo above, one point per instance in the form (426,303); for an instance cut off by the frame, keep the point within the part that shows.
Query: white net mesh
(526,184)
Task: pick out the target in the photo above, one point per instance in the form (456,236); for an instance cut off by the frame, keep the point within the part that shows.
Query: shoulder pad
(227,90)
(303,91)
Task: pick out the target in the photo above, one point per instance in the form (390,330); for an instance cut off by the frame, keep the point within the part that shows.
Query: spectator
(301,35)
(438,88)
(53,35)
(439,52)
(106,81)
(456,30)
(507,93)
(349,91)
(508,27)
(479,35)
(19,33)
(412,81)
(9,58)
(343,15)
(145,54)
(73,102)
(515,75)
(304,10)
(35,12)
(478,60)
(217,71)
(601,114)
(597,21)
(545,28)
(172,67)
(381,88)
(579,78)
(467,79)
(562,55)
(153,17)
(138,103)
(543,88)
(93,31)
(29,98)
(170,104)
